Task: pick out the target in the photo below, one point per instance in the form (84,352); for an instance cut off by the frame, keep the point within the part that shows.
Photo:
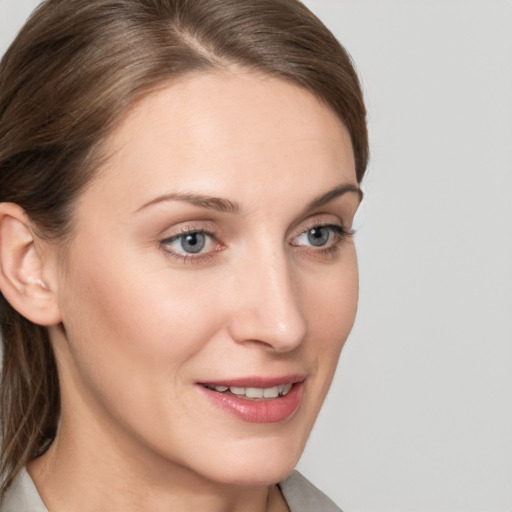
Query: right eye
(190,244)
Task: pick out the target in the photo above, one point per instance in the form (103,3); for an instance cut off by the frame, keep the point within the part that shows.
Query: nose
(267,305)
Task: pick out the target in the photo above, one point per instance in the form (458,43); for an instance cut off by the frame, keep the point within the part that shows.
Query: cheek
(142,317)
(331,305)
(130,325)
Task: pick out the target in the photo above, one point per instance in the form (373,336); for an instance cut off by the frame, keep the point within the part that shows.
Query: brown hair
(67,80)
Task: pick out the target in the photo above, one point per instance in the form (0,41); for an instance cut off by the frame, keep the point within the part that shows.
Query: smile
(256,400)
(254,393)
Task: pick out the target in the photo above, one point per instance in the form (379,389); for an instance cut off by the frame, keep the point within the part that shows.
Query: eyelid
(185,232)
(323,220)
(190,226)
(338,229)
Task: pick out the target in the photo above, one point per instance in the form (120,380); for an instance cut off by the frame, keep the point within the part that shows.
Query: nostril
(279,336)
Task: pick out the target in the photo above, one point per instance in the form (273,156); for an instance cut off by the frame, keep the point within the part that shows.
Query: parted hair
(67,80)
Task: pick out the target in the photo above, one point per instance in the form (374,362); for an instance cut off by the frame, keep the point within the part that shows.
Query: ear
(21,269)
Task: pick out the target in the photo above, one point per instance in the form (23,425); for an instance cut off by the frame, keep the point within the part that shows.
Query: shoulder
(302,496)
(22,496)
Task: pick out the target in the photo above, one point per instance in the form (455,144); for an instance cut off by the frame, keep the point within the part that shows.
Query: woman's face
(210,273)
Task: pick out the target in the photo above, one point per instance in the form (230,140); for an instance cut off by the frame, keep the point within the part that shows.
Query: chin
(253,475)
(256,462)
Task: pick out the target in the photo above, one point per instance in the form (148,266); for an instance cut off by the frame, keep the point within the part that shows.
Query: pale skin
(263,173)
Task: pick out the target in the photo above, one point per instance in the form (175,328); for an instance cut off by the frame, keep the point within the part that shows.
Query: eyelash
(340,233)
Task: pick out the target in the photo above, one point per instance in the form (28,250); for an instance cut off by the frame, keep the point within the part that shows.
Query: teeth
(271,392)
(254,392)
(284,389)
(274,392)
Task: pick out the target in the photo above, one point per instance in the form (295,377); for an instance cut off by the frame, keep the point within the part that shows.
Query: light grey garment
(22,496)
(300,494)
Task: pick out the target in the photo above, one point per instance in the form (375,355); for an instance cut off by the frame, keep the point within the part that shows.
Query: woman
(178,183)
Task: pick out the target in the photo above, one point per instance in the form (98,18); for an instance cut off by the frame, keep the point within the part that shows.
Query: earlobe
(21,269)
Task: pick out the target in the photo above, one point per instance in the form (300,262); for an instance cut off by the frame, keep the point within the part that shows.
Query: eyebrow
(333,194)
(209,202)
(226,206)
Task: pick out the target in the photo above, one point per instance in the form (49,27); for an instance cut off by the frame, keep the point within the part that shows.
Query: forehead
(225,134)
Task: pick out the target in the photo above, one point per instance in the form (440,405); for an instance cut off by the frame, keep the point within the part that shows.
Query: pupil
(318,236)
(194,242)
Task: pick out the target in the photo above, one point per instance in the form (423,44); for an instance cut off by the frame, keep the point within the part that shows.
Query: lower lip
(259,411)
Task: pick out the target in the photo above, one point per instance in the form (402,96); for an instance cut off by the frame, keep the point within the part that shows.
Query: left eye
(189,243)
(319,236)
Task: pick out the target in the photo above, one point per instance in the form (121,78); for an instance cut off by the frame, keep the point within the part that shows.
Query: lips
(257,400)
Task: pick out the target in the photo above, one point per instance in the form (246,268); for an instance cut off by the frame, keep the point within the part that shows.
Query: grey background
(420,414)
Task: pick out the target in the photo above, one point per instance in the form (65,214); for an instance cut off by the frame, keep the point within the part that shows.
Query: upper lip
(256,382)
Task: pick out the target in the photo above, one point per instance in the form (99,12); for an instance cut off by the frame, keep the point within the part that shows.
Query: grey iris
(318,236)
(193,243)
